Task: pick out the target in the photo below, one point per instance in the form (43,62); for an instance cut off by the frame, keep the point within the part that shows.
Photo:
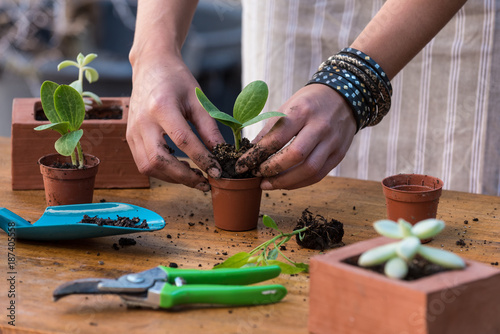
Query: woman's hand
(319,126)
(163,101)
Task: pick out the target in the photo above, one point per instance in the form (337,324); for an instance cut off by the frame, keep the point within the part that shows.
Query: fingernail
(203,186)
(266,185)
(214,172)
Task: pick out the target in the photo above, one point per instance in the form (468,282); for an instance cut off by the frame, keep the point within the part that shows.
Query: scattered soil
(227,156)
(119,221)
(65,165)
(126,242)
(417,268)
(321,234)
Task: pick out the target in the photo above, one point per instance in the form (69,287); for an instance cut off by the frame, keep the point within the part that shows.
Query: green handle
(224,276)
(221,294)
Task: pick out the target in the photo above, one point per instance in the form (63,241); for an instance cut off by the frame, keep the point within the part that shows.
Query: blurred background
(35,35)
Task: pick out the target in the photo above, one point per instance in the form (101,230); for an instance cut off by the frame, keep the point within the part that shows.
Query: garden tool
(62,222)
(165,287)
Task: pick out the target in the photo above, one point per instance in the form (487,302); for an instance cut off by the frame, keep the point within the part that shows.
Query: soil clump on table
(227,156)
(321,233)
(118,222)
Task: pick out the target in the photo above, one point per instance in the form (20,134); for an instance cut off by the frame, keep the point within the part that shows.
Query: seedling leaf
(91,74)
(69,106)
(67,143)
(66,63)
(47,97)
(62,127)
(238,260)
(285,267)
(88,58)
(250,101)
(269,222)
(262,117)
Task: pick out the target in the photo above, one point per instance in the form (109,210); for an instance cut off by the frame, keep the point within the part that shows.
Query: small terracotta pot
(412,197)
(68,186)
(236,203)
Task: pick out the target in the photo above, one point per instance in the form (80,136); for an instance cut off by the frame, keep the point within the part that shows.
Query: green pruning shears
(164,287)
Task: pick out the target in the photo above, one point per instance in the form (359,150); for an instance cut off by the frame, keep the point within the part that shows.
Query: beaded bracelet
(361,81)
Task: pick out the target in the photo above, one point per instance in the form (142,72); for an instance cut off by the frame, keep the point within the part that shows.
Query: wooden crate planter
(348,299)
(104,138)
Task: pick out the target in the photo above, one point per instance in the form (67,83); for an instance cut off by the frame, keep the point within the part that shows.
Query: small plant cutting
(266,254)
(64,106)
(398,255)
(247,109)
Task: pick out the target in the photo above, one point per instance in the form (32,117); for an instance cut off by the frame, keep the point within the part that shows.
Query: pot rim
(96,162)
(236,184)
(438,183)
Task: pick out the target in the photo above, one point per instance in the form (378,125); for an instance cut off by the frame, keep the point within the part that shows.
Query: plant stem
(237,139)
(80,155)
(279,236)
(73,159)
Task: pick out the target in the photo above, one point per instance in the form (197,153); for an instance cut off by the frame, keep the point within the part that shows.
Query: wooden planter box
(348,299)
(104,138)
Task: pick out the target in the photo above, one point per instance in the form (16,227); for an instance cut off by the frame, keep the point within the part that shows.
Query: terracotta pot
(68,186)
(344,298)
(104,136)
(236,203)
(412,197)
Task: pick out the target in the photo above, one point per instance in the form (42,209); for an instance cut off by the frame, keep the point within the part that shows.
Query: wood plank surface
(191,241)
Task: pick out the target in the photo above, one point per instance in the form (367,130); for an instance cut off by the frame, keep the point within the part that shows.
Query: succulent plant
(397,255)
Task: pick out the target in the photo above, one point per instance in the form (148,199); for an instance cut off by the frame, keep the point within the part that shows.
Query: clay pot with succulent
(236,197)
(383,286)
(69,175)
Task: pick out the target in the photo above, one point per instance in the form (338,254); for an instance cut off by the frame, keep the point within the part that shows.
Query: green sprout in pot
(266,254)
(64,106)
(247,109)
(397,255)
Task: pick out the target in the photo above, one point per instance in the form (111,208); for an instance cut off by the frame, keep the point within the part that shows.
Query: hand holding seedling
(322,128)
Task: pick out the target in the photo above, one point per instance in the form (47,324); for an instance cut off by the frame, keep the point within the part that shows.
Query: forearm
(402,28)
(161,27)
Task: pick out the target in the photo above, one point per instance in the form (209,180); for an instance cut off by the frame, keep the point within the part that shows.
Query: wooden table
(42,266)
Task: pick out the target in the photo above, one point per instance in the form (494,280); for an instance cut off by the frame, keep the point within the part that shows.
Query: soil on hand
(321,234)
(417,268)
(227,156)
(119,222)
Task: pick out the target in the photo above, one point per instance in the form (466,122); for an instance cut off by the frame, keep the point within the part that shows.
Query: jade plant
(246,111)
(267,253)
(64,107)
(398,255)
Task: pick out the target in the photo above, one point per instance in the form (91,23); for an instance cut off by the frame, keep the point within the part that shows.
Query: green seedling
(64,106)
(246,111)
(397,255)
(266,254)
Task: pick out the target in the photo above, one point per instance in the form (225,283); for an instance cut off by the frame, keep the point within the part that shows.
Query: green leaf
(304,266)
(396,268)
(408,247)
(69,106)
(377,255)
(47,91)
(238,260)
(80,58)
(216,113)
(250,101)
(77,85)
(273,254)
(405,227)
(428,228)
(442,257)
(93,97)
(67,63)
(388,228)
(62,127)
(269,222)
(91,74)
(262,117)
(285,267)
(67,143)
(88,58)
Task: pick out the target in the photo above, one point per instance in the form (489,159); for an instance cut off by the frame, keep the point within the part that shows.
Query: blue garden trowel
(62,222)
